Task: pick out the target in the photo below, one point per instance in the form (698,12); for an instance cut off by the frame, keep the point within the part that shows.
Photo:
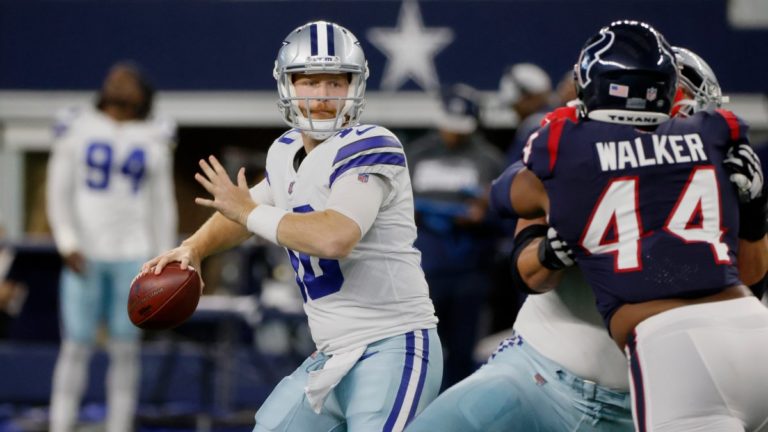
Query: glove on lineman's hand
(745,171)
(746,174)
(554,252)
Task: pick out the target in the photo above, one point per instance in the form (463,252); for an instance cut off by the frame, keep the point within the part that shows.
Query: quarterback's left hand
(233,201)
(745,171)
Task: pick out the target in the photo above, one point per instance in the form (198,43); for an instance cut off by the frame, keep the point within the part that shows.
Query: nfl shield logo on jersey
(290,187)
(362,178)
(650,94)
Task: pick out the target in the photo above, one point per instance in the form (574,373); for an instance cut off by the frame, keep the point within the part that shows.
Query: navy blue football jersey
(650,215)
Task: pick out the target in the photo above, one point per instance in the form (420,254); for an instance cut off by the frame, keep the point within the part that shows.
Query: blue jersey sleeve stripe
(285,139)
(397,159)
(59,129)
(329,33)
(366,144)
(313,39)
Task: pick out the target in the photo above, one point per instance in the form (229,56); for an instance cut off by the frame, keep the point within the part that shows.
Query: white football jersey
(564,326)
(379,290)
(110,186)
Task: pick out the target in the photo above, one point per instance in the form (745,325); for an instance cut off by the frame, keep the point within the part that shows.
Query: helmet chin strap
(321,129)
(323,132)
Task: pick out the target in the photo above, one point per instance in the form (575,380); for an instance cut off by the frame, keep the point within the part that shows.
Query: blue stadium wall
(231,45)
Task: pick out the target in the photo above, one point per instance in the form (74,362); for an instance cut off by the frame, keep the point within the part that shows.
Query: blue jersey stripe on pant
(394,380)
(408,407)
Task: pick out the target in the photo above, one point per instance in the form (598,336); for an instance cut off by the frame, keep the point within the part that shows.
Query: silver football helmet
(698,79)
(321,47)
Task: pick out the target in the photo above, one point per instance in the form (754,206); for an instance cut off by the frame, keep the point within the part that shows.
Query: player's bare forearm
(324,234)
(537,277)
(753,260)
(528,196)
(217,234)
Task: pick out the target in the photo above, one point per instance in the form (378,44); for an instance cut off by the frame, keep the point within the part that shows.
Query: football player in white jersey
(338,197)
(111,206)
(560,370)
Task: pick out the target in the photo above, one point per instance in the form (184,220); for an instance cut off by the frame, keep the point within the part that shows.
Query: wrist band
(263,221)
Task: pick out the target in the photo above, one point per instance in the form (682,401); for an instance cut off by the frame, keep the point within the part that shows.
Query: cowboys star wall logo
(410,49)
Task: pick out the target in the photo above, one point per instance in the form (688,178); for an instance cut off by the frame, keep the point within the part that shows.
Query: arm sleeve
(60,195)
(163,195)
(359,198)
(262,193)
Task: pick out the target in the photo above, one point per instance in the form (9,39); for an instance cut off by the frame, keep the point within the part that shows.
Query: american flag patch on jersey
(618,90)
(362,178)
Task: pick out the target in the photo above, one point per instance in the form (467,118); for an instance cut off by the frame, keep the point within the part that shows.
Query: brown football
(160,302)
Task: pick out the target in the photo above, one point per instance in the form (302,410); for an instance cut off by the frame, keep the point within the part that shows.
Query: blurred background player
(672,322)
(338,197)
(559,370)
(527,89)
(111,206)
(451,169)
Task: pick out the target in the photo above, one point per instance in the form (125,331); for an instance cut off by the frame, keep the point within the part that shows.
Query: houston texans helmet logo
(591,55)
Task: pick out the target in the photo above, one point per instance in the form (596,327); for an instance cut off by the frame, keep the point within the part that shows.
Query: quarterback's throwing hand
(745,171)
(233,201)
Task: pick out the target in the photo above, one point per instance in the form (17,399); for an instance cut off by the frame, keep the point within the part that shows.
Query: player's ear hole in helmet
(321,47)
(627,74)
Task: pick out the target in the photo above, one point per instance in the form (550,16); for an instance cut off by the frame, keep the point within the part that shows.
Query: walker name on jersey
(662,150)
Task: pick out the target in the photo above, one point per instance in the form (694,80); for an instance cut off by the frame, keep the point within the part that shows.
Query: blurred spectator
(111,206)
(452,168)
(566,89)
(527,89)
(11,293)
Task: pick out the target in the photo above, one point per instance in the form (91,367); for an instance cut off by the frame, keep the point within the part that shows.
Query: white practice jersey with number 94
(110,186)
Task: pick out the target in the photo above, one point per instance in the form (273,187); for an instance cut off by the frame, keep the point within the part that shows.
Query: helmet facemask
(699,83)
(299,54)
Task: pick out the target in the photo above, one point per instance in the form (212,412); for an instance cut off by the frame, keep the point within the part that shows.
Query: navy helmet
(627,74)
